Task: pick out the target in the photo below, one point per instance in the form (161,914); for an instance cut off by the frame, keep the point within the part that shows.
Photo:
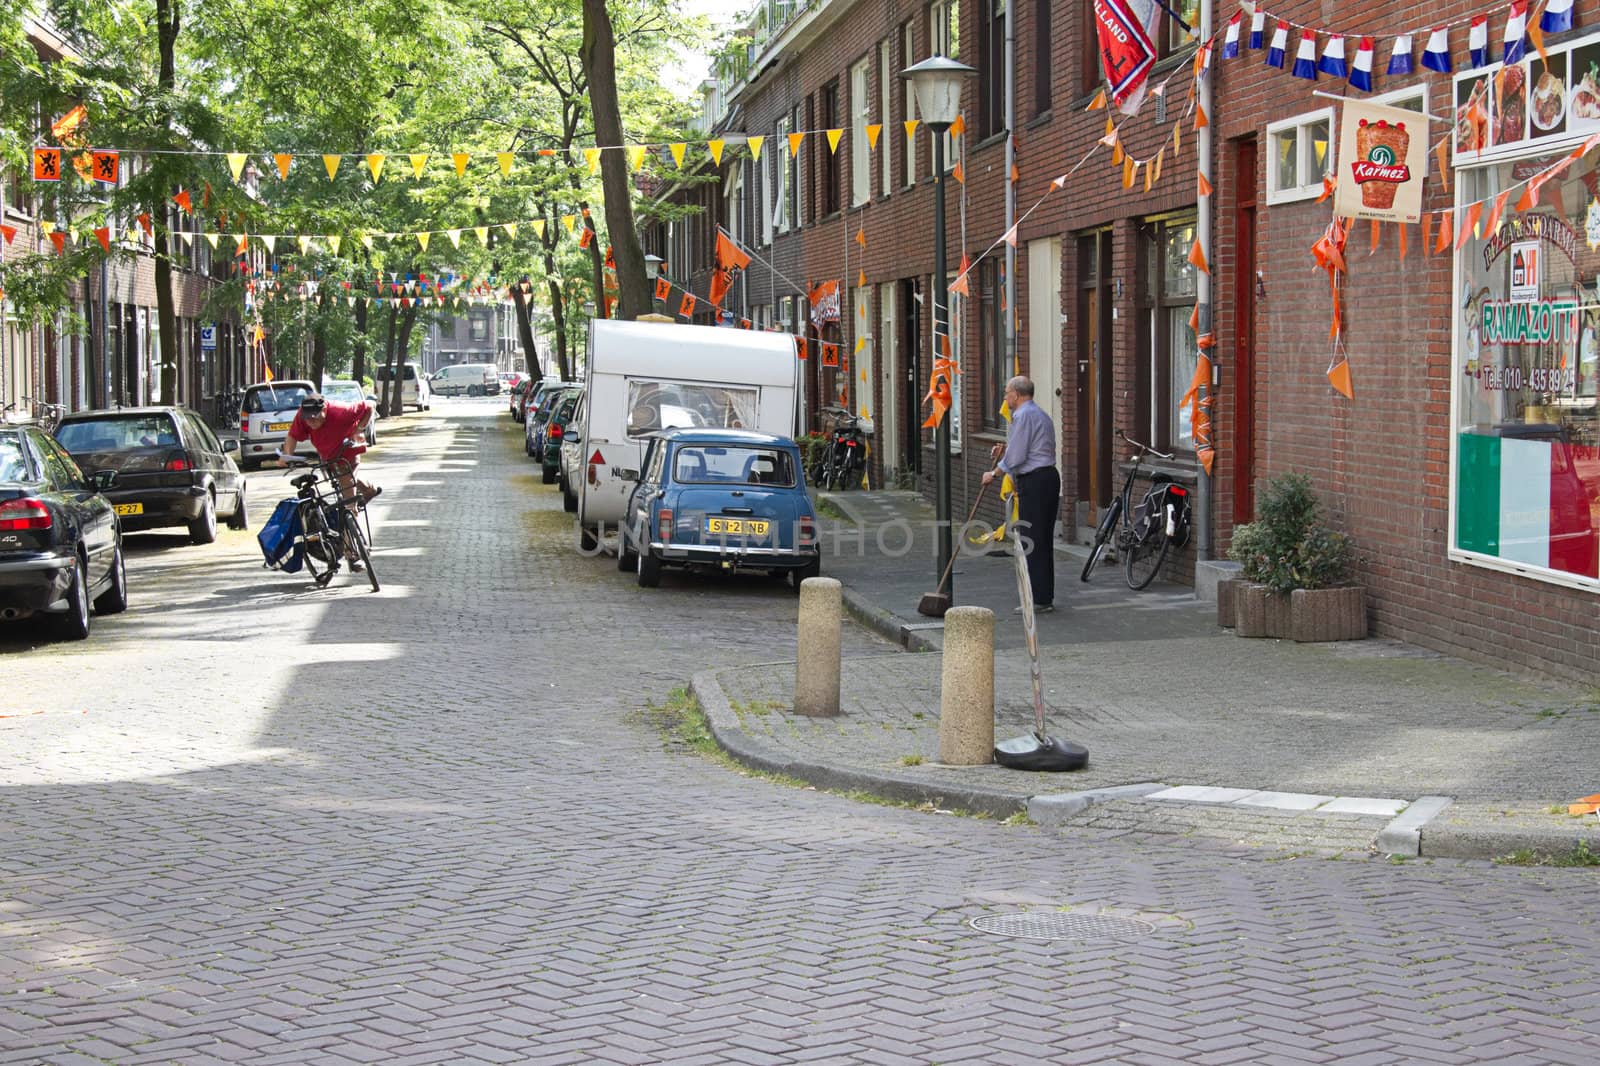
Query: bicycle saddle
(304,481)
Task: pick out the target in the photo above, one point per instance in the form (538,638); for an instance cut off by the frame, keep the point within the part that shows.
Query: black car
(171,469)
(60,542)
(555,429)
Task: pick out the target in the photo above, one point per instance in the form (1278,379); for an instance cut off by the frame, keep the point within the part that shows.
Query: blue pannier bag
(281,538)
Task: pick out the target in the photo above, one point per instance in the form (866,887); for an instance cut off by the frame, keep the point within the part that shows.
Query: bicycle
(333,525)
(1143,537)
(844,459)
(46,415)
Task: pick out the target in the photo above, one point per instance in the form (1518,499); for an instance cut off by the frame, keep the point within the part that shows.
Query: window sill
(989,142)
(1293,196)
(1043,118)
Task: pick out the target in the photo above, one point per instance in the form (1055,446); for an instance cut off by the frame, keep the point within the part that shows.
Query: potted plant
(1295,570)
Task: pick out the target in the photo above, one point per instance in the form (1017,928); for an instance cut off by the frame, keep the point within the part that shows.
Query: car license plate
(278,427)
(744,527)
(130,508)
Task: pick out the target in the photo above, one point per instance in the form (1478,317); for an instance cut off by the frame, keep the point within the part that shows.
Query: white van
(649,376)
(471,379)
(414,391)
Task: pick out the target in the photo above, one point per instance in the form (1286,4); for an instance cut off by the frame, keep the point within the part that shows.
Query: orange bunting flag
(1194,319)
(1442,153)
(9,233)
(800,348)
(1200,120)
(103,235)
(794,142)
(861,283)
(586,238)
(283,161)
(686,305)
(183,202)
(1339,378)
(1205,186)
(68,124)
(959,174)
(1328,185)
(1403,238)
(106,167)
(1446,231)
(1098,102)
(861,237)
(145,224)
(961,284)
(1374,249)
(830,354)
(47,164)
(959,126)
(1011,234)
(729,262)
(874,131)
(1495,212)
(1197,257)
(1129,169)
(663,289)
(59,239)
(1469,224)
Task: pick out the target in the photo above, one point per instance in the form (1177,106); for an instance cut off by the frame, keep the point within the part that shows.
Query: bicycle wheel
(1145,555)
(321,545)
(1102,536)
(358,539)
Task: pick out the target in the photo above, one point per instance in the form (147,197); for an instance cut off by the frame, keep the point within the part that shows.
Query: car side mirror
(104,479)
(229,444)
(575,438)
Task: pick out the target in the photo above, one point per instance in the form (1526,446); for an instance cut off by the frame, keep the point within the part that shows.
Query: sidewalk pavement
(1347,747)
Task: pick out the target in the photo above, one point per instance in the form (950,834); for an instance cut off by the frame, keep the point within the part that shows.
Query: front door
(1244,334)
(863,368)
(888,440)
(909,399)
(1044,328)
(1096,311)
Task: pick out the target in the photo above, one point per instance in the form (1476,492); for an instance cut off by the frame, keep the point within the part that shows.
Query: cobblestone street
(251,821)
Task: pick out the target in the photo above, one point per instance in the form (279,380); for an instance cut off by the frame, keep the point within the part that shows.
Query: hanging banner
(824,300)
(1126,30)
(1382,163)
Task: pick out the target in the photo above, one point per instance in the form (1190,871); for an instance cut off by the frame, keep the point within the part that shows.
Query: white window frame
(1309,178)
(797,180)
(885,167)
(908,44)
(780,211)
(860,115)
(764,206)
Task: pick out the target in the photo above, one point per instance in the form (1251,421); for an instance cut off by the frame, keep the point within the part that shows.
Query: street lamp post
(937,83)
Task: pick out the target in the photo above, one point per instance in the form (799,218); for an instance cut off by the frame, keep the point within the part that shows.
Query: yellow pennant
(366,241)
(1161,155)
(911,127)
(794,142)
(422,239)
(538,228)
(1149,170)
(511,228)
(236,164)
(418,161)
(305,245)
(592,157)
(833,139)
(272,243)
(283,159)
(188,238)
(861,283)
(455,237)
(1177,137)
(636,153)
(47,227)
(483,234)
(504,159)
(715,148)
(1129,169)
(211,239)
(569,221)
(861,342)
(375,164)
(873,130)
(460,159)
(677,151)
(333,245)
(755,144)
(331,164)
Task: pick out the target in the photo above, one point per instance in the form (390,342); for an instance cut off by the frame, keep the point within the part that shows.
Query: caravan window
(657,405)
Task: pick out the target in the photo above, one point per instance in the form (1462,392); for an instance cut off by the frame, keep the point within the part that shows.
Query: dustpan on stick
(1036,750)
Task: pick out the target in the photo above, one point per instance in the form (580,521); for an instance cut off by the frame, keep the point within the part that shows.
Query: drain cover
(1054,926)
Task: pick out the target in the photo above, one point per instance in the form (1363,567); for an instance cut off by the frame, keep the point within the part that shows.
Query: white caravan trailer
(648,376)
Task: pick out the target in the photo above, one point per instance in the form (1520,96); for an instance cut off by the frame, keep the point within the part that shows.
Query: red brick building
(1465,467)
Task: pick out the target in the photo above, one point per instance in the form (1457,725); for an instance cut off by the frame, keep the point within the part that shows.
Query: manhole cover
(1055,926)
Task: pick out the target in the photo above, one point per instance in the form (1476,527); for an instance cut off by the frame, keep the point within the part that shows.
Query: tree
(599,60)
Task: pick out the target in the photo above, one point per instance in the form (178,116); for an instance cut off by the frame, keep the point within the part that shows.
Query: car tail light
(808,531)
(177,464)
(23,514)
(555,431)
(664,523)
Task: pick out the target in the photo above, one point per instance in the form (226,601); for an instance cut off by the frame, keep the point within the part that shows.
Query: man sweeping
(1029,456)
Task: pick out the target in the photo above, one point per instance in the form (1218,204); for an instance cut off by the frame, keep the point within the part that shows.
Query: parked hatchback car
(538,416)
(571,462)
(351,392)
(723,500)
(269,408)
(60,542)
(555,430)
(171,469)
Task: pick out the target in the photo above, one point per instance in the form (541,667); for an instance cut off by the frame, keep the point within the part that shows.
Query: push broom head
(933,604)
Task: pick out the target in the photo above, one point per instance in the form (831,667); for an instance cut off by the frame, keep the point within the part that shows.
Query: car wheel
(114,600)
(569,502)
(527,446)
(800,573)
(240,519)
(74,625)
(587,539)
(627,558)
(203,530)
(649,568)
(547,475)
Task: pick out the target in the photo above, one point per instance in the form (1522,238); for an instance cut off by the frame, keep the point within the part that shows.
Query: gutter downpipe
(1204,547)
(1011,188)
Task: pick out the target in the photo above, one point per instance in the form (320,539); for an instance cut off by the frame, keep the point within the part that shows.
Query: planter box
(1260,612)
(1226,591)
(1328,614)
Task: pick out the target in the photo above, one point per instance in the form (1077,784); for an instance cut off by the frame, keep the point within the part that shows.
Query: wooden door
(1244,335)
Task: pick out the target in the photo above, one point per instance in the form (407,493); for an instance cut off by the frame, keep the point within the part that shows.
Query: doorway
(1096,314)
(887,414)
(907,398)
(1044,328)
(1244,333)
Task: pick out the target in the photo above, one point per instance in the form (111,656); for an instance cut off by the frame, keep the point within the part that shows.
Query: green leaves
(1287,547)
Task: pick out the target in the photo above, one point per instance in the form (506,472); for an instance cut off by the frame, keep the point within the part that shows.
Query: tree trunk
(397,393)
(166,309)
(319,343)
(525,331)
(358,360)
(600,64)
(388,358)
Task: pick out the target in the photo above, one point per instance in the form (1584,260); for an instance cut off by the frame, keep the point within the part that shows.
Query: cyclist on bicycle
(335,430)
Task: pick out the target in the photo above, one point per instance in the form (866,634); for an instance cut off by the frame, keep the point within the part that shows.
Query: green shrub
(1287,547)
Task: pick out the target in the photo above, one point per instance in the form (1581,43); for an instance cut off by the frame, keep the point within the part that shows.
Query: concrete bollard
(816,672)
(966,688)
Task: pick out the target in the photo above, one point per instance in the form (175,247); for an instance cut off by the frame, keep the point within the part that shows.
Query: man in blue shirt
(1029,456)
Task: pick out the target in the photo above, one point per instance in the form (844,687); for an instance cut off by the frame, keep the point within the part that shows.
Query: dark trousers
(1038,503)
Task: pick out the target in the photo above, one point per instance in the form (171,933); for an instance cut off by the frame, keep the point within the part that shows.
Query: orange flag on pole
(729,262)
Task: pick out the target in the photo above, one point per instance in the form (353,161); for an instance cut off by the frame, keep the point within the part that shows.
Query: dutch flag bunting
(1230,41)
(1516,32)
(1557,17)
(1258,26)
(1400,55)
(1478,42)
(1436,55)
(1280,45)
(1305,57)
(1332,63)
(1361,72)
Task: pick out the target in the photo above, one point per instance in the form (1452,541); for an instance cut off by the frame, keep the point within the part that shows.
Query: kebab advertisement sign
(1382,163)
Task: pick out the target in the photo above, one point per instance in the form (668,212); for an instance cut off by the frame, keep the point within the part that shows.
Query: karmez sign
(1382,163)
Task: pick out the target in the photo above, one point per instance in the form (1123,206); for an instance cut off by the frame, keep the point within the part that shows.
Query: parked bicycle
(844,460)
(45,414)
(1143,535)
(333,524)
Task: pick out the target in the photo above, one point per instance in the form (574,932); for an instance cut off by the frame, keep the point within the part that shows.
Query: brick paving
(253,822)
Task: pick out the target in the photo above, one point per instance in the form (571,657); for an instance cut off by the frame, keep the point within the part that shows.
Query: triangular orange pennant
(959,126)
(1339,378)
(1197,257)
(1446,228)
(1442,153)
(1469,224)
(283,159)
(794,142)
(1374,249)
(861,237)
(959,174)
(1403,238)
(1495,212)
(1200,120)
(1098,102)
(103,235)
(1205,186)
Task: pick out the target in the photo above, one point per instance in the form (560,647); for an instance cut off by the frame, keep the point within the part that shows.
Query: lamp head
(937,83)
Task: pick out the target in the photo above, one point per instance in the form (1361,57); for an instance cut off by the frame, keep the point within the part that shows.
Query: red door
(1244,333)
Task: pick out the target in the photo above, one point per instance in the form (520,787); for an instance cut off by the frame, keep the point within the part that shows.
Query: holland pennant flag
(1305,57)
(1280,44)
(1516,35)
(1400,55)
(1436,55)
(1557,17)
(1258,26)
(1332,63)
(1361,72)
(1230,42)
(1478,42)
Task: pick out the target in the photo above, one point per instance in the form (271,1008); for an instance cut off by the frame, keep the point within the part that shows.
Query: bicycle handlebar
(1141,447)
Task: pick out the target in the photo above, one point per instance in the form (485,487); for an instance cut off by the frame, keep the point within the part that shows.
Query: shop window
(1168,296)
(1299,156)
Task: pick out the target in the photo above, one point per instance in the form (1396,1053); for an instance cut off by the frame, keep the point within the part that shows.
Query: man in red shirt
(335,430)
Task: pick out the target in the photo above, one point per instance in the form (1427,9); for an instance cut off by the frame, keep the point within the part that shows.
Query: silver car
(269,408)
(351,392)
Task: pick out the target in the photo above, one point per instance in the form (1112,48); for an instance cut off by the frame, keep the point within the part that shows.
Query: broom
(935,604)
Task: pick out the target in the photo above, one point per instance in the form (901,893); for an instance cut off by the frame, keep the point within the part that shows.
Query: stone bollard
(816,671)
(966,689)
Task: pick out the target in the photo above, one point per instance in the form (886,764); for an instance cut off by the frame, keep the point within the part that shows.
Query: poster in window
(1524,272)
(1382,163)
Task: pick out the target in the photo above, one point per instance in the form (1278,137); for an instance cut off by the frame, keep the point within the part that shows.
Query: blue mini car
(720,499)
